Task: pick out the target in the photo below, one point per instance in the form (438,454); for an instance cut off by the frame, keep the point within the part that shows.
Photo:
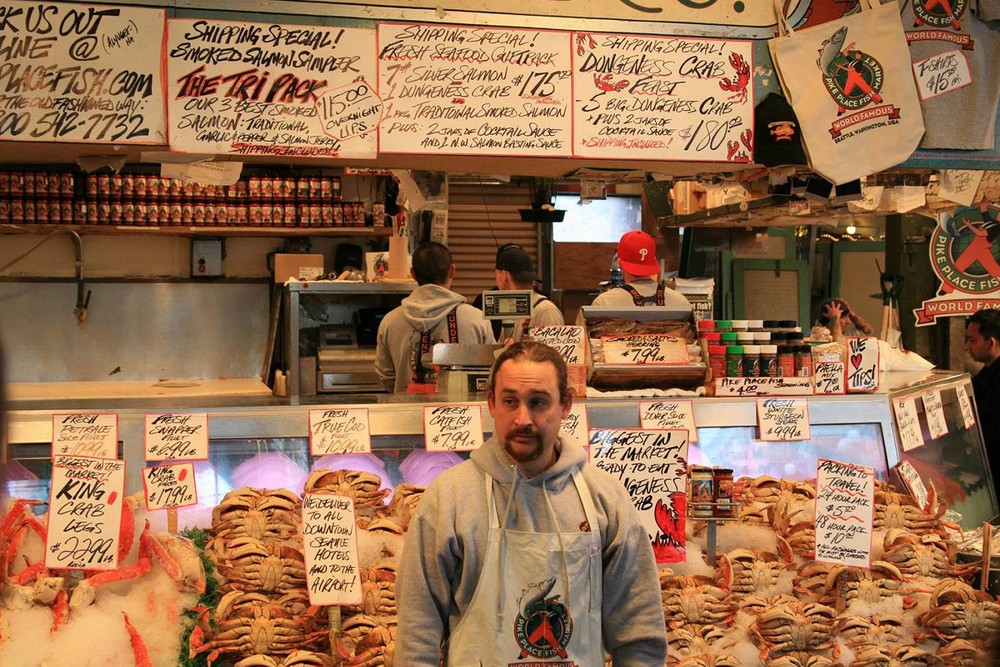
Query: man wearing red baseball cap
(641,270)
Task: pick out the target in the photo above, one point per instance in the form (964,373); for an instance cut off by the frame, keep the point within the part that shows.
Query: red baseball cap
(637,254)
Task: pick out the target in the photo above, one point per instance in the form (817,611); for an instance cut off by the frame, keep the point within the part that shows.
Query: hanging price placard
(339,431)
(169,486)
(669,415)
(783,418)
(85,513)
(177,437)
(93,435)
(453,428)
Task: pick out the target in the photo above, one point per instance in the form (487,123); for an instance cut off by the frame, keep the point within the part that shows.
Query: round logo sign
(965,252)
(938,13)
(543,629)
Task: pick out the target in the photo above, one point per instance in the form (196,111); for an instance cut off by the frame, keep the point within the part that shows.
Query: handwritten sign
(769,386)
(662,98)
(331,549)
(94,435)
(965,405)
(941,73)
(574,427)
(914,484)
(830,377)
(85,513)
(937,425)
(452,89)
(959,185)
(905,410)
(169,486)
(568,340)
(339,431)
(651,464)
(453,428)
(173,437)
(845,496)
(783,419)
(862,364)
(85,73)
(243,88)
(669,415)
(650,349)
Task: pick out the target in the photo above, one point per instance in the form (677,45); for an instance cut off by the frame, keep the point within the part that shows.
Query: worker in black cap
(516,271)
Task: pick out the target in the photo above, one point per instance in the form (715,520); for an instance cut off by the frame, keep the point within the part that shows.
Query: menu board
(669,415)
(862,364)
(331,549)
(474,90)
(94,435)
(173,437)
(82,73)
(453,428)
(339,431)
(845,495)
(85,513)
(639,97)
(243,88)
(169,486)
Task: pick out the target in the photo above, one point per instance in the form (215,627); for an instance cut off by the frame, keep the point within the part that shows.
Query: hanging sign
(830,377)
(905,410)
(331,549)
(468,90)
(783,419)
(241,88)
(669,415)
(574,427)
(845,498)
(965,405)
(651,349)
(569,341)
(862,364)
(339,431)
(169,486)
(175,436)
(937,425)
(85,513)
(94,435)
(453,428)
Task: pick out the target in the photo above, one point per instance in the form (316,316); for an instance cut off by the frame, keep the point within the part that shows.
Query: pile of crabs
(264,618)
(774,605)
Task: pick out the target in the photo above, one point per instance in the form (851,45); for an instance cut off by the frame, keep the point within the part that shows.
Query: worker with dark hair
(982,342)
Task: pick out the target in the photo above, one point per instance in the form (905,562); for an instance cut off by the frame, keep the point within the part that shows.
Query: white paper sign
(669,415)
(965,405)
(862,364)
(339,431)
(331,549)
(85,513)
(169,486)
(911,478)
(568,340)
(960,185)
(177,437)
(453,428)
(574,428)
(94,435)
(937,425)
(907,424)
(776,386)
(845,496)
(830,377)
(941,73)
(783,419)
(650,349)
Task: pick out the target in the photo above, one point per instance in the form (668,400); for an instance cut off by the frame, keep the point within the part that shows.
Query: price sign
(453,428)
(862,364)
(177,437)
(651,349)
(652,466)
(965,405)
(830,377)
(339,431)
(331,549)
(845,495)
(669,415)
(937,425)
(94,435)
(778,386)
(169,486)
(905,410)
(783,419)
(568,340)
(914,484)
(85,513)
(574,427)
(941,73)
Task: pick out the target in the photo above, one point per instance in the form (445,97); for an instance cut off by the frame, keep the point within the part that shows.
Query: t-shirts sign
(339,431)
(783,419)
(845,496)
(85,513)
(177,437)
(569,341)
(94,435)
(331,549)
(453,428)
(81,73)
(169,486)
(941,73)
(669,415)
(862,364)
(644,349)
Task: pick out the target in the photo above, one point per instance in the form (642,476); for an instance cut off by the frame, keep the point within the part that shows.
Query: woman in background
(836,315)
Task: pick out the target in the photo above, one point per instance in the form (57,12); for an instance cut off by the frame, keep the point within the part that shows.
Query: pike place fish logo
(939,13)
(852,77)
(964,251)
(543,626)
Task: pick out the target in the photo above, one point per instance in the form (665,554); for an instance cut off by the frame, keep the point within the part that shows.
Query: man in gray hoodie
(431,314)
(526,552)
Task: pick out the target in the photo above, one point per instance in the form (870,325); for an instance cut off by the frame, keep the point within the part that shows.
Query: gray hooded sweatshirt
(425,309)
(446,540)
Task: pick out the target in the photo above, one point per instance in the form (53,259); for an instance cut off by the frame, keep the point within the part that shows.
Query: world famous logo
(852,77)
(964,251)
(543,626)
(939,13)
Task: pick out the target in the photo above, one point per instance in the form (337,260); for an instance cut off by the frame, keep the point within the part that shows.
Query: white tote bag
(851,86)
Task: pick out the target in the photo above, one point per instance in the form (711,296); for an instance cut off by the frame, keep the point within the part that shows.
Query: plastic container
(717,360)
(787,325)
(727,337)
(739,325)
(762,337)
(755,325)
(751,361)
(769,361)
(770,325)
(705,325)
(723,325)
(786,360)
(723,481)
(702,494)
(744,337)
(803,361)
(734,361)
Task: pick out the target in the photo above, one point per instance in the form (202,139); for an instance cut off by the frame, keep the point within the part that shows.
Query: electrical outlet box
(206,258)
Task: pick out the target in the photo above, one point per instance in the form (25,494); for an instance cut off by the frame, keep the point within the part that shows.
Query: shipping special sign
(474,90)
(331,549)
(268,89)
(662,98)
(85,513)
(81,73)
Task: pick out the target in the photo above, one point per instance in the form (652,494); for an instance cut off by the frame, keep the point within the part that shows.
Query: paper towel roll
(399,258)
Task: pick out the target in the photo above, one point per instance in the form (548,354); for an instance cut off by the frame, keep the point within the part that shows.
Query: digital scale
(507,304)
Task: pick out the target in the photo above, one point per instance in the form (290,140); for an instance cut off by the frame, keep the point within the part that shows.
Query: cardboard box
(297,265)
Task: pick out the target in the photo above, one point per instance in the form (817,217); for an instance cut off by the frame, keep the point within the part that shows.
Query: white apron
(538,600)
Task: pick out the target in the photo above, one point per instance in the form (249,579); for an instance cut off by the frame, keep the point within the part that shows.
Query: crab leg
(139,649)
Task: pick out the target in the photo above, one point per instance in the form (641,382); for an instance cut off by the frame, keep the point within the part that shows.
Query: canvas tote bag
(851,86)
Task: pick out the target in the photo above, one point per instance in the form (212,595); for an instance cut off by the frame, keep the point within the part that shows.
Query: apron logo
(543,627)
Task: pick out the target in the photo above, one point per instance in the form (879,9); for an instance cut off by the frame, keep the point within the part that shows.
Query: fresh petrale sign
(963,253)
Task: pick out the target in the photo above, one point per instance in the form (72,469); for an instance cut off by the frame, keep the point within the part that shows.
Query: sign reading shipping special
(81,73)
(339,431)
(177,437)
(569,341)
(242,88)
(783,419)
(669,415)
(169,486)
(451,89)
(94,435)
(845,498)
(331,549)
(830,377)
(453,428)
(769,386)
(652,349)
(85,513)
(662,98)
(575,427)
(862,364)
(652,466)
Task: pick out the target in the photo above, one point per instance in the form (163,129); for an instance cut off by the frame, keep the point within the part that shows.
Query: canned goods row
(317,188)
(41,184)
(711,492)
